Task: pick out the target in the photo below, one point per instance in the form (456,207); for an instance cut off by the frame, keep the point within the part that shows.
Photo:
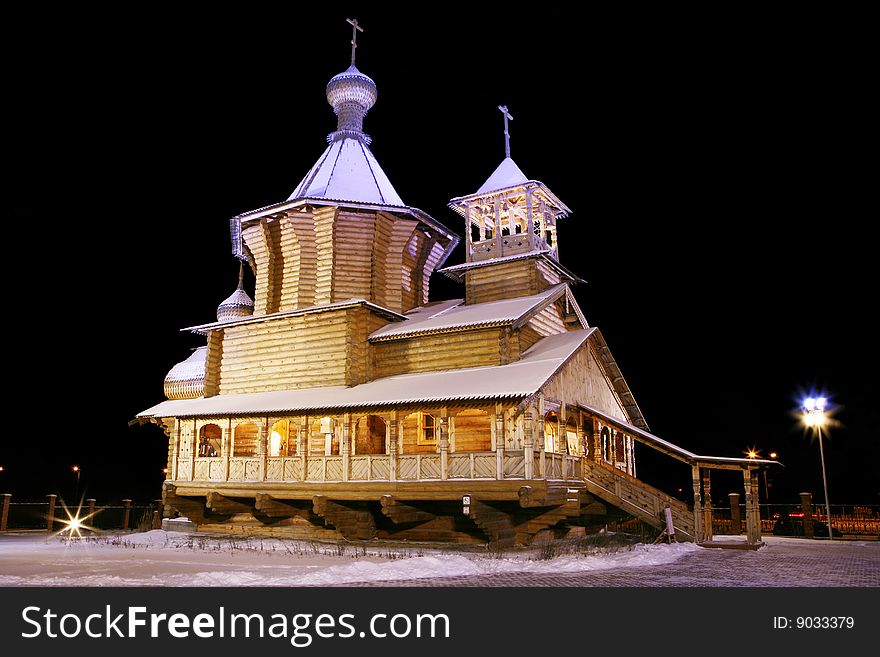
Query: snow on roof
(681,452)
(452,315)
(456,272)
(508,174)
(191,368)
(515,380)
(336,305)
(348,171)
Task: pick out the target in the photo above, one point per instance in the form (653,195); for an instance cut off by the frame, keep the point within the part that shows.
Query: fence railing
(54,515)
(787,519)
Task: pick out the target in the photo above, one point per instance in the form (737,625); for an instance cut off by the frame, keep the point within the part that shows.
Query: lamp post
(814,416)
(75,469)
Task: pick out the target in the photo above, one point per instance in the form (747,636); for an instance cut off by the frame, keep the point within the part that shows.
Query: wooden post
(698,510)
(126,514)
(226,449)
(753,522)
(499,443)
(263,449)
(541,439)
(530,221)
(756,488)
(91,507)
(345,447)
(392,447)
(443,428)
(499,248)
(468,236)
(50,516)
(4,514)
(193,450)
(735,516)
(807,508)
(529,442)
(175,453)
(303,446)
(707,504)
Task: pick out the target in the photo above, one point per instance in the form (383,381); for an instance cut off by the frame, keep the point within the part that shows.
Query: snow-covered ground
(159,558)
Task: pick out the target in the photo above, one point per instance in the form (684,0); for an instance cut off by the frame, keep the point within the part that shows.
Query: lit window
(427,429)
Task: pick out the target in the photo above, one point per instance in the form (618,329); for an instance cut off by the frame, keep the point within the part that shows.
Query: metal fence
(32,514)
(856,520)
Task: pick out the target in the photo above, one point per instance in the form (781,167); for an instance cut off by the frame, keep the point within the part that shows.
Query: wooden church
(339,401)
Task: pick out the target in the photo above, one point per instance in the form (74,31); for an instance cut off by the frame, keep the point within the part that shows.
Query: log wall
(285,353)
(507,280)
(472,431)
(327,254)
(444,351)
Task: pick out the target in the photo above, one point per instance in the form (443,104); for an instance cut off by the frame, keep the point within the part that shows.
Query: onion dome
(186,380)
(351,94)
(238,304)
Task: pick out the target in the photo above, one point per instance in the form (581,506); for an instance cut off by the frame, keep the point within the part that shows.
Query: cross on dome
(355,28)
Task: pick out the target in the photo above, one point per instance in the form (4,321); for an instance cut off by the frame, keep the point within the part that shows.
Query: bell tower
(512,246)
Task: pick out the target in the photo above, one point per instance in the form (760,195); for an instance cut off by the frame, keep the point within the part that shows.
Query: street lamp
(815,418)
(76,471)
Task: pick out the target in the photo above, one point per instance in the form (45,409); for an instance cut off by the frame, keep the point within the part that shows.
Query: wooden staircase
(638,498)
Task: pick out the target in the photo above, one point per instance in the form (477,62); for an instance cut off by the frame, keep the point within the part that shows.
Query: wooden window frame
(421,438)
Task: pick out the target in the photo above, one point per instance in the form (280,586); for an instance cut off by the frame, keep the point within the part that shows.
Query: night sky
(716,176)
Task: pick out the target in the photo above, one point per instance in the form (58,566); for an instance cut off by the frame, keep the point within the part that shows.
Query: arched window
(606,444)
(244,439)
(571,438)
(551,432)
(279,439)
(473,431)
(369,435)
(210,440)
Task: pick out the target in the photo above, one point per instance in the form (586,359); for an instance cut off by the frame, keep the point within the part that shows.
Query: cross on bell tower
(507,117)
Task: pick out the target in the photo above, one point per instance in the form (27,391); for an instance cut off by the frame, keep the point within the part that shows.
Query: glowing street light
(76,470)
(814,417)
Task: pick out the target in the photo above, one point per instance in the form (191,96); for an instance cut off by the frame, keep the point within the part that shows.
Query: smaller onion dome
(238,304)
(351,94)
(186,380)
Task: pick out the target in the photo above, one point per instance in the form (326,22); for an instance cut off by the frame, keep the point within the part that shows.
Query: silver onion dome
(351,94)
(236,305)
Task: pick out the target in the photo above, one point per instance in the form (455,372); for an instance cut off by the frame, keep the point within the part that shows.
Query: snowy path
(158,558)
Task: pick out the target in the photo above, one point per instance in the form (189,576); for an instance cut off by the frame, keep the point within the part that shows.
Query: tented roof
(348,171)
(508,174)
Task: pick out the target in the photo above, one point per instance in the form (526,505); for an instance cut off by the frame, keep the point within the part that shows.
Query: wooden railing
(635,496)
(377,467)
(611,484)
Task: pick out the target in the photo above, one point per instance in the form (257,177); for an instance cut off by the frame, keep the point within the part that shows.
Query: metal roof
(252,319)
(513,381)
(508,174)
(456,272)
(348,171)
(456,315)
